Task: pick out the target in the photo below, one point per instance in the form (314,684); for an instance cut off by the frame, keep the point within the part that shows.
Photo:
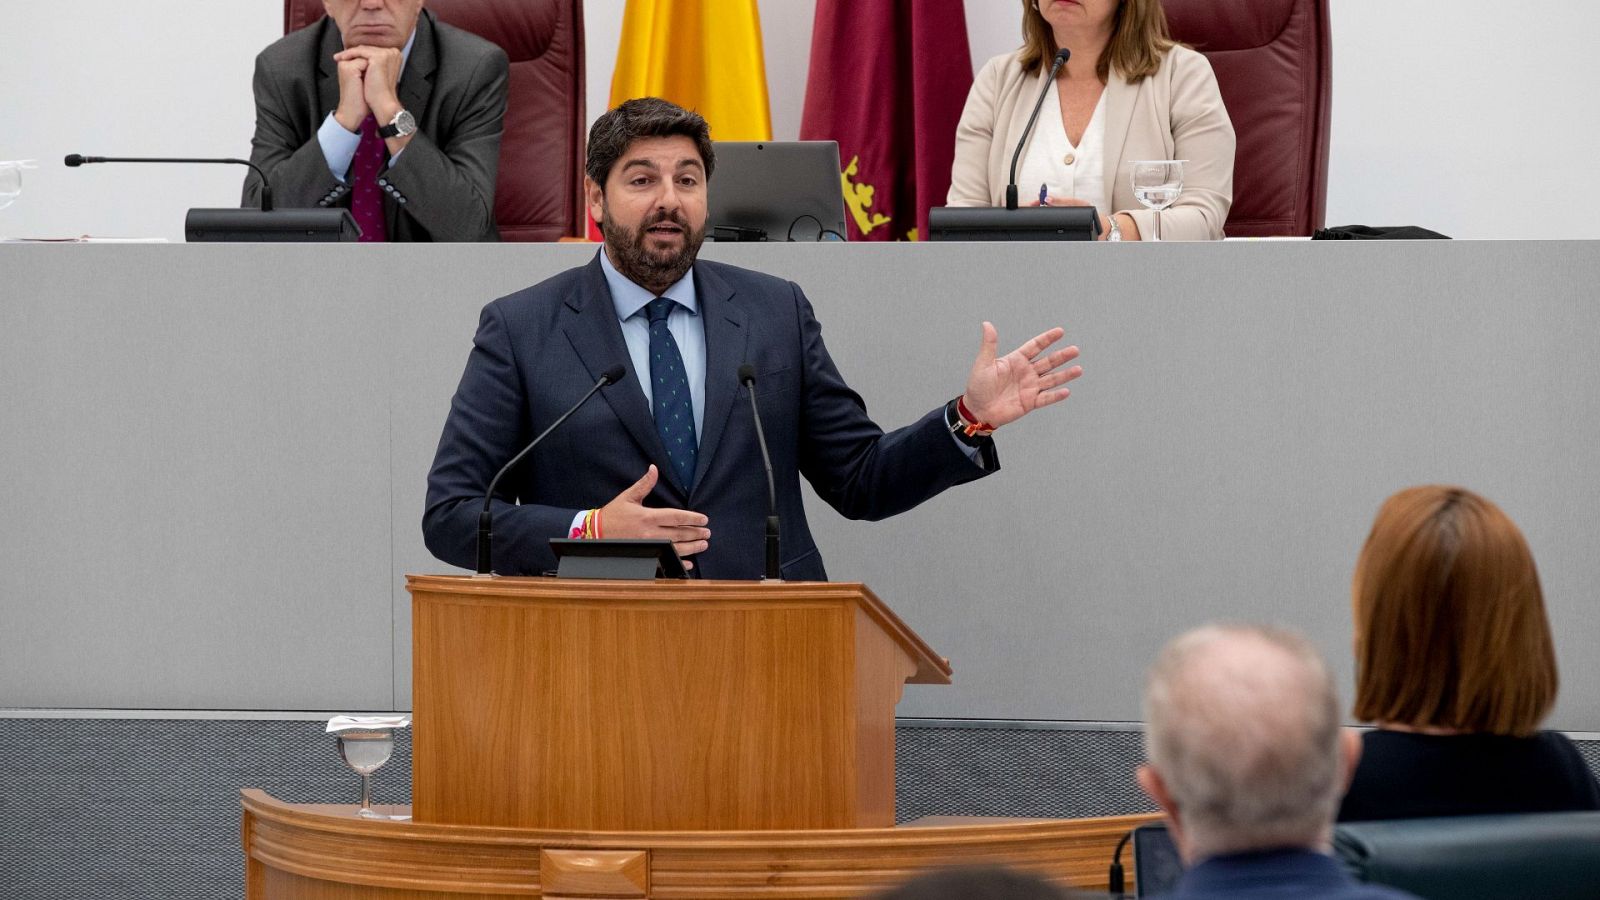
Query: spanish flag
(701,54)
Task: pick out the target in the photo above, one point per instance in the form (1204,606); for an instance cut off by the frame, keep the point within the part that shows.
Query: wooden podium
(616,739)
(657,706)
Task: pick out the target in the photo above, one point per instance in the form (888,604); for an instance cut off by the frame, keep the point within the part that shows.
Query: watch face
(405,123)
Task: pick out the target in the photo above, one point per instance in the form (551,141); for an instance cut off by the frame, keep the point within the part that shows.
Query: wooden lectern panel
(314,852)
(602,705)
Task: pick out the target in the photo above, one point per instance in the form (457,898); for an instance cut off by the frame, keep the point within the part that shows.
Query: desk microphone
(486,518)
(75,160)
(747,377)
(1062,56)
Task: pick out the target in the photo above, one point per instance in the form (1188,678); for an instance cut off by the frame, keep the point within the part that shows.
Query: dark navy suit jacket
(537,351)
(1273,874)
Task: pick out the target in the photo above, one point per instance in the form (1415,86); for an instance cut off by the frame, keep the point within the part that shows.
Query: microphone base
(1043,223)
(274,227)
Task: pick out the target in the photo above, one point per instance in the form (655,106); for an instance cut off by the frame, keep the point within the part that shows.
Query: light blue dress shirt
(687,328)
(339,146)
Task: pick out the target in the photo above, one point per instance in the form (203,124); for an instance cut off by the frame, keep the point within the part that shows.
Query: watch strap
(393,128)
(966,428)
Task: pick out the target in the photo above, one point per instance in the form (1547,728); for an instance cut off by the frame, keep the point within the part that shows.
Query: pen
(1044,195)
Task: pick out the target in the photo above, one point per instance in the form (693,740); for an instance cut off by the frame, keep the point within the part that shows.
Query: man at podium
(670,451)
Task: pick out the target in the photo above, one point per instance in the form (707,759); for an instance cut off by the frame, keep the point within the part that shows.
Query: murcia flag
(888,81)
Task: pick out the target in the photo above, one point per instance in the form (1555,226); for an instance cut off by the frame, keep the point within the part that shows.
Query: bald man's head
(1242,732)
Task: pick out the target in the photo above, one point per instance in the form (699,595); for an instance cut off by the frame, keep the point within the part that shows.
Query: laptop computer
(1156,864)
(776,191)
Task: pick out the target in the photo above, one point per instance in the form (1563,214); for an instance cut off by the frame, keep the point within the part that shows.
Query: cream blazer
(1176,113)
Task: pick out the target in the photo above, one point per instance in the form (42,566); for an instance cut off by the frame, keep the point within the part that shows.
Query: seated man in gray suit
(1248,762)
(381,109)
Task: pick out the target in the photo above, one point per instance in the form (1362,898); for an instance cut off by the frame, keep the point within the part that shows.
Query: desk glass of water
(11,181)
(1157,184)
(366,752)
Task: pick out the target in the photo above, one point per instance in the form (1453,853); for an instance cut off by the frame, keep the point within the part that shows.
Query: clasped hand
(368,82)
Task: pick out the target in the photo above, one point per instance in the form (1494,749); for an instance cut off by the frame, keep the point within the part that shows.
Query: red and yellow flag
(701,54)
(888,82)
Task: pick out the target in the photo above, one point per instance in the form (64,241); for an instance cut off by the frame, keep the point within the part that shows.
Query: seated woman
(1129,92)
(1455,667)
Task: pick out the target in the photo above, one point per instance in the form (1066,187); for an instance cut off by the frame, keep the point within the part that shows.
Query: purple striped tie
(366,199)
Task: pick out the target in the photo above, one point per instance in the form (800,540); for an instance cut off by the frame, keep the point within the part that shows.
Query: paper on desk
(86,239)
(349,723)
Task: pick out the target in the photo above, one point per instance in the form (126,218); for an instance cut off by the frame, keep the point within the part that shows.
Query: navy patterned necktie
(669,390)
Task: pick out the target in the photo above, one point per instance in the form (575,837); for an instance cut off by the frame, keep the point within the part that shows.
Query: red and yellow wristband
(590,529)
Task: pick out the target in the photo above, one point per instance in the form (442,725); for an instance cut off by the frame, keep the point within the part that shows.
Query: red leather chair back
(539,195)
(1273,64)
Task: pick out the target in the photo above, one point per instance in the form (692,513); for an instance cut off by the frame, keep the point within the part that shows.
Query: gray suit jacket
(442,187)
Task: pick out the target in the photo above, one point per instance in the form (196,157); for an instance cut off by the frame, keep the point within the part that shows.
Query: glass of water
(1157,184)
(11,180)
(366,752)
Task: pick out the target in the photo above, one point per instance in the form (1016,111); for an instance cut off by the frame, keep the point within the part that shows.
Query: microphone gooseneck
(486,517)
(1116,879)
(1062,56)
(747,377)
(74,160)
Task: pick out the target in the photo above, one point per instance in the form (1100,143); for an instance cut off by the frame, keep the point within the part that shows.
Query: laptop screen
(1156,864)
(776,191)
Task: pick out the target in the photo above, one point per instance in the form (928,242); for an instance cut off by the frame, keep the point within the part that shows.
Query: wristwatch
(403,124)
(1115,232)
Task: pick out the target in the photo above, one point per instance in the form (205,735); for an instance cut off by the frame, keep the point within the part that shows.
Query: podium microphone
(75,160)
(1062,56)
(747,377)
(486,518)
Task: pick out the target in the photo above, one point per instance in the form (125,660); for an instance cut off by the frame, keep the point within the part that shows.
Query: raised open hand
(1003,389)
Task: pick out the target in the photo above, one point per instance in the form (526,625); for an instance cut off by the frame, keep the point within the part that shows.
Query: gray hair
(1242,725)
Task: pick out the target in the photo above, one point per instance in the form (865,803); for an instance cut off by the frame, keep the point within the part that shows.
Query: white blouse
(1051,159)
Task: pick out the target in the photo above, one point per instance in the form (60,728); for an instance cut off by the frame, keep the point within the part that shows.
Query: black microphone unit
(747,377)
(986,223)
(486,518)
(1062,56)
(264,224)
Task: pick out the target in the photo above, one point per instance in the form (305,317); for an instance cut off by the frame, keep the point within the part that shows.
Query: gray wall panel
(196,493)
(1247,407)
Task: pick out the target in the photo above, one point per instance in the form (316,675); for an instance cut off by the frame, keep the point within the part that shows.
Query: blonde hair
(1139,40)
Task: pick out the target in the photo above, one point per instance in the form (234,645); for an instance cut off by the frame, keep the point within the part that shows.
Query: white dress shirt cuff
(338,146)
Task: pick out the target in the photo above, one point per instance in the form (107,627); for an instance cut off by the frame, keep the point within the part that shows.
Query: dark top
(1277,873)
(1412,776)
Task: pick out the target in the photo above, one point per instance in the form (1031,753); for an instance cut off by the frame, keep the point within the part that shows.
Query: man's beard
(655,271)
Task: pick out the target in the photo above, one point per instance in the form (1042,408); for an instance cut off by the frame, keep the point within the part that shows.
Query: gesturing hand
(1006,388)
(628,517)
